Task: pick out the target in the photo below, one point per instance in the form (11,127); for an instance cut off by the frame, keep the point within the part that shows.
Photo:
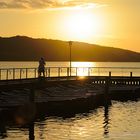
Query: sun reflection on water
(82,68)
(83,64)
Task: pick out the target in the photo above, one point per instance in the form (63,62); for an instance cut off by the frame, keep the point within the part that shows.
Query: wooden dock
(18,91)
(48,81)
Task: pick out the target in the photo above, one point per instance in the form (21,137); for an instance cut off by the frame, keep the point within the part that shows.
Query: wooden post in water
(106,119)
(107,84)
(31,131)
(106,90)
(107,80)
(131,78)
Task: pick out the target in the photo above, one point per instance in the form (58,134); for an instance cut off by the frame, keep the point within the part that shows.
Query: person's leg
(43,73)
(39,73)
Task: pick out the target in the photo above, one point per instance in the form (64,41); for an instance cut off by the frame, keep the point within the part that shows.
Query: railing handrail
(76,67)
(59,71)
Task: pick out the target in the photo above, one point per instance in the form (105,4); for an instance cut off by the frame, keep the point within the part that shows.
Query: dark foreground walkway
(61,89)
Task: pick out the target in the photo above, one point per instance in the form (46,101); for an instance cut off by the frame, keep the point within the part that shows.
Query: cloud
(46,4)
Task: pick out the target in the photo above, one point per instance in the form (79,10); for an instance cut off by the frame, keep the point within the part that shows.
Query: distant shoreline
(22,48)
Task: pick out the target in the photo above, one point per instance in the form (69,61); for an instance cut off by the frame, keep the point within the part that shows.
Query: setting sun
(83,25)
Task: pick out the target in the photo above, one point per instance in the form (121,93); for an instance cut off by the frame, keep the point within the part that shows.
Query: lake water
(33,64)
(120,121)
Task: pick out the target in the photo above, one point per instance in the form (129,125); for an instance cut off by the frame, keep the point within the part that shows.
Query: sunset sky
(114,23)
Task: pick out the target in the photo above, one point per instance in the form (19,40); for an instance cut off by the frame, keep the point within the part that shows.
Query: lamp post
(70,45)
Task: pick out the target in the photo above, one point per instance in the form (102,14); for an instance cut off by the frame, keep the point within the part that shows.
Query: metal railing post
(35,72)
(0,74)
(49,72)
(131,74)
(76,71)
(26,73)
(98,72)
(88,71)
(46,71)
(110,74)
(67,71)
(20,73)
(7,74)
(59,72)
(13,73)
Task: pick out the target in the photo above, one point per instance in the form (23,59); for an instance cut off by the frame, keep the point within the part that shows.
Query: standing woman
(41,67)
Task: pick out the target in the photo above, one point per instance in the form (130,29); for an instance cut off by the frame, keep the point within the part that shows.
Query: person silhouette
(41,67)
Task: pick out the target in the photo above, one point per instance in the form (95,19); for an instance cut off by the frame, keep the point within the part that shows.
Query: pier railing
(26,73)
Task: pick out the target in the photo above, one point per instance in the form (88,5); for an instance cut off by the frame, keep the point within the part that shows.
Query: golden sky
(114,23)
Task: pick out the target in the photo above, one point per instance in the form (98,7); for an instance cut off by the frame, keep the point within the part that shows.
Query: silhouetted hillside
(20,48)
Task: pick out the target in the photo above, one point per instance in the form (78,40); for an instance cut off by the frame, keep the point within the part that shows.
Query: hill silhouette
(22,48)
